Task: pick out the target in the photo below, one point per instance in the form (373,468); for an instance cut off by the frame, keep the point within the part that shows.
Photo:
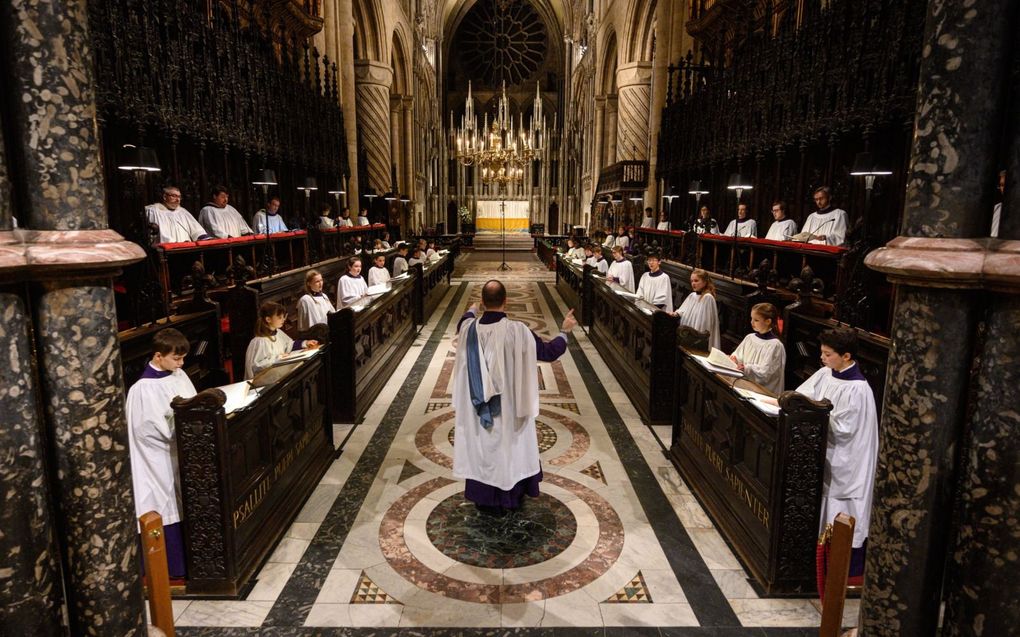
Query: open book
(297,355)
(719,359)
(378,288)
(239,395)
(759,400)
(719,363)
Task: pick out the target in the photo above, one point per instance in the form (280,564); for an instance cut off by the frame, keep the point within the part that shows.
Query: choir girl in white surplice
(151,440)
(761,355)
(270,342)
(852,450)
(599,261)
(378,273)
(351,286)
(621,271)
(655,286)
(698,309)
(314,307)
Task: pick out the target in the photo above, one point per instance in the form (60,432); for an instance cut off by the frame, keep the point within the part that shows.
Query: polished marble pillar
(373,87)
(68,258)
(940,264)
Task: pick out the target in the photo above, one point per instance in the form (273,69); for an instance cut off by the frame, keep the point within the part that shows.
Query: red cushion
(299,233)
(176,246)
(214,242)
(225,324)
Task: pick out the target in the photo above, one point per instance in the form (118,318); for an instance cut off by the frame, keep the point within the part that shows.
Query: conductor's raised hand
(569,322)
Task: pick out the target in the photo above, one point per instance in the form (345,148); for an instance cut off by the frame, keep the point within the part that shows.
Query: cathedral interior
(575,150)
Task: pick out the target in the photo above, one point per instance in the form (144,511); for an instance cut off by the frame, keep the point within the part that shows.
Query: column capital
(989,264)
(635,73)
(50,254)
(372,72)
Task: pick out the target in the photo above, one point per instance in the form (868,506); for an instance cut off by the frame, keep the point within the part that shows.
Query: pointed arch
(369,39)
(639,31)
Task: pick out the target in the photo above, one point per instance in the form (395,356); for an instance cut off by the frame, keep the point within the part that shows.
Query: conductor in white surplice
(495,399)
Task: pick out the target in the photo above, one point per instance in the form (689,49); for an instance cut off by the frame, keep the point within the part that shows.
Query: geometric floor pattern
(615,545)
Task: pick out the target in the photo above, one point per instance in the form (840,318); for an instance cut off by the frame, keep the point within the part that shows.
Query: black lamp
(865,166)
(739,183)
(695,188)
(138,159)
(264,178)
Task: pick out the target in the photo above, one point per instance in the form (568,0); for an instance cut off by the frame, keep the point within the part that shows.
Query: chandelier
(500,149)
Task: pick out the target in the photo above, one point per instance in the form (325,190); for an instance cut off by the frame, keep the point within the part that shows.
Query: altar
(489,216)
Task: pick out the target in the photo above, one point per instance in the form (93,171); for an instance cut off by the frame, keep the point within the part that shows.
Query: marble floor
(615,545)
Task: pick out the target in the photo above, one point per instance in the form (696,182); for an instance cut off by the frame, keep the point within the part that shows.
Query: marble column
(635,93)
(938,267)
(610,146)
(396,153)
(408,120)
(6,209)
(373,87)
(71,257)
(348,101)
(600,127)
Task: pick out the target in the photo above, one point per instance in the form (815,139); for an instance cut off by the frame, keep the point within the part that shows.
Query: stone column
(635,93)
(373,87)
(600,127)
(30,592)
(348,102)
(409,137)
(939,268)
(396,154)
(609,133)
(72,257)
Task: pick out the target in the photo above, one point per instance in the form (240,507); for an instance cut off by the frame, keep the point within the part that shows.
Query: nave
(615,545)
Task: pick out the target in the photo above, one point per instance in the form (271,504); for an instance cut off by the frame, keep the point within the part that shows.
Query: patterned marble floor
(616,544)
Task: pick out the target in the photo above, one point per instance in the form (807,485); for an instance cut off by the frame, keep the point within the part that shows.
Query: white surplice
(657,290)
(782,230)
(764,361)
(601,265)
(507,452)
(699,311)
(377,276)
(748,228)
(263,222)
(663,225)
(313,310)
(831,223)
(399,265)
(152,443)
(325,223)
(624,272)
(349,289)
(648,222)
(175,225)
(223,222)
(623,241)
(852,450)
(344,222)
(263,351)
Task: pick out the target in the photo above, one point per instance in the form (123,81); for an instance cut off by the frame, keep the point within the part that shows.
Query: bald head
(493,295)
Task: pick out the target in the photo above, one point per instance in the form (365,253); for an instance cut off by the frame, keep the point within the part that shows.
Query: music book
(758,400)
(378,288)
(725,371)
(295,356)
(719,359)
(239,396)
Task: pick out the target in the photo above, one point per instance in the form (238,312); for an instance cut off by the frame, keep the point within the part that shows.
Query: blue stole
(486,410)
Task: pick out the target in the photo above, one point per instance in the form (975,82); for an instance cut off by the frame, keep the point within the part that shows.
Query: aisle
(615,541)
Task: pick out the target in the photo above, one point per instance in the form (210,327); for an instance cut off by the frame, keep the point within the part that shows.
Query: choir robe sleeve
(548,351)
(701,314)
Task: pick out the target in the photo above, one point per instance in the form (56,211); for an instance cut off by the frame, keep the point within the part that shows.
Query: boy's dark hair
(493,294)
(840,341)
(218,189)
(170,341)
(325,210)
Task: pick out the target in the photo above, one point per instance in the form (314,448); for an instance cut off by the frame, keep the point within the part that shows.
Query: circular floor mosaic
(546,436)
(543,528)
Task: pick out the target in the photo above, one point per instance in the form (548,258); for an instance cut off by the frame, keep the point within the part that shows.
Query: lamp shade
(390,196)
(265,177)
(695,188)
(369,194)
(140,158)
(308,183)
(405,199)
(739,182)
(616,199)
(864,165)
(637,196)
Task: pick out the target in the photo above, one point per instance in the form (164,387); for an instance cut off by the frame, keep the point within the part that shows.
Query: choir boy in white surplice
(622,240)
(345,219)
(648,221)
(852,450)
(174,222)
(270,342)
(600,263)
(151,439)
(655,286)
(495,400)
(314,307)
(400,261)
(761,355)
(351,286)
(663,223)
(621,271)
(221,219)
(827,225)
(783,228)
(747,227)
(268,220)
(378,273)
(698,310)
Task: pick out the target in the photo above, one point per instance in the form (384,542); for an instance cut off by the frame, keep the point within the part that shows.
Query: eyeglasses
(173,196)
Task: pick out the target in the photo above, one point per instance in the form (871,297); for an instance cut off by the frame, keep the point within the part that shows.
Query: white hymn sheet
(378,288)
(716,369)
(239,396)
(718,358)
(758,400)
(299,355)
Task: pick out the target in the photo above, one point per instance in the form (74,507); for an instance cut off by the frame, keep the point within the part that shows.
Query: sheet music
(239,395)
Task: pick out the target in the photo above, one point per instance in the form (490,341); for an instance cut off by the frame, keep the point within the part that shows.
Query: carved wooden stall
(204,362)
(368,340)
(639,345)
(570,282)
(758,476)
(547,251)
(433,282)
(244,476)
